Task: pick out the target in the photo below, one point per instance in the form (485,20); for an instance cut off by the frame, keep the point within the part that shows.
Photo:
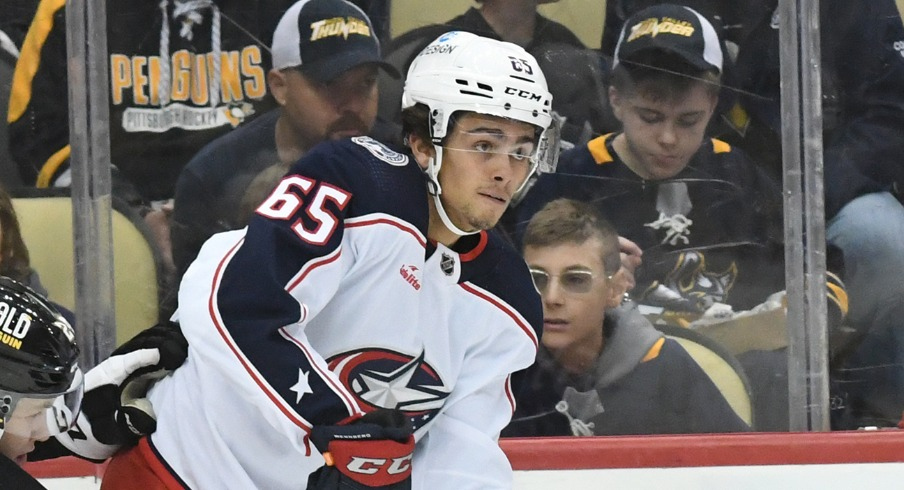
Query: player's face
(576,292)
(23,428)
(485,160)
(341,108)
(661,135)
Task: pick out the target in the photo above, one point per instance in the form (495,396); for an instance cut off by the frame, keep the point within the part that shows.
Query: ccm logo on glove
(369,466)
(354,459)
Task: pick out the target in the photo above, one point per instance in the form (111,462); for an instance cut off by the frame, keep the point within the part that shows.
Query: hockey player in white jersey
(365,302)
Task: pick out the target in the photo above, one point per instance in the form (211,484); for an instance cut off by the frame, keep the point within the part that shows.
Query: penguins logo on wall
(382,378)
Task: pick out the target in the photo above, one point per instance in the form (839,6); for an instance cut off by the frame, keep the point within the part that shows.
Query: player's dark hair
(661,76)
(416,121)
(569,221)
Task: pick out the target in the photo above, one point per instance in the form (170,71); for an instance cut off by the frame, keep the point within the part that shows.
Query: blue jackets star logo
(386,379)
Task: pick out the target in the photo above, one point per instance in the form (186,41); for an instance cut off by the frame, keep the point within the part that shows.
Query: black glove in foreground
(114,411)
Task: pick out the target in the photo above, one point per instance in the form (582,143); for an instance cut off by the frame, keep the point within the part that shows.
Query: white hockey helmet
(461,71)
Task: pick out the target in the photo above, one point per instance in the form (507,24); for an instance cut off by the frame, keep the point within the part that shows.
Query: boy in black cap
(324,77)
(706,217)
(863,124)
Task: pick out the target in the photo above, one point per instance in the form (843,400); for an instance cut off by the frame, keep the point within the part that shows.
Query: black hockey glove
(373,451)
(115,411)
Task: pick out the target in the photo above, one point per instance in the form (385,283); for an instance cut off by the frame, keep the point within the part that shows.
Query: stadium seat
(46,223)
(722,367)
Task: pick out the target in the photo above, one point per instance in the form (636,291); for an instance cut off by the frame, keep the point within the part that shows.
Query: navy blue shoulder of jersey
(594,157)
(501,270)
(581,167)
(303,219)
(380,179)
(598,159)
(718,156)
(577,160)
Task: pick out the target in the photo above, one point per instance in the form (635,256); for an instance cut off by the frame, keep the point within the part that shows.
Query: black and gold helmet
(38,359)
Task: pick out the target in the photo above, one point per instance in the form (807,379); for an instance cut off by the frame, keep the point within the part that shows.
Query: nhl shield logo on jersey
(386,379)
(447,264)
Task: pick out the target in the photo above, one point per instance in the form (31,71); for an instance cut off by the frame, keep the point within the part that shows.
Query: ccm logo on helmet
(524,94)
(370,466)
(12,332)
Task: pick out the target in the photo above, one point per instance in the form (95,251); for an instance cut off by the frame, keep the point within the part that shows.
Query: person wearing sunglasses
(707,218)
(602,369)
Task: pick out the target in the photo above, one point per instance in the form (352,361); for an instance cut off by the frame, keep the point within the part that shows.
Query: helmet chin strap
(448,222)
(435,190)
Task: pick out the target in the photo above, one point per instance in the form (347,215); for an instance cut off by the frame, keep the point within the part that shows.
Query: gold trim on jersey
(653,353)
(737,118)
(601,155)
(598,150)
(50,167)
(30,57)
(837,293)
(720,146)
